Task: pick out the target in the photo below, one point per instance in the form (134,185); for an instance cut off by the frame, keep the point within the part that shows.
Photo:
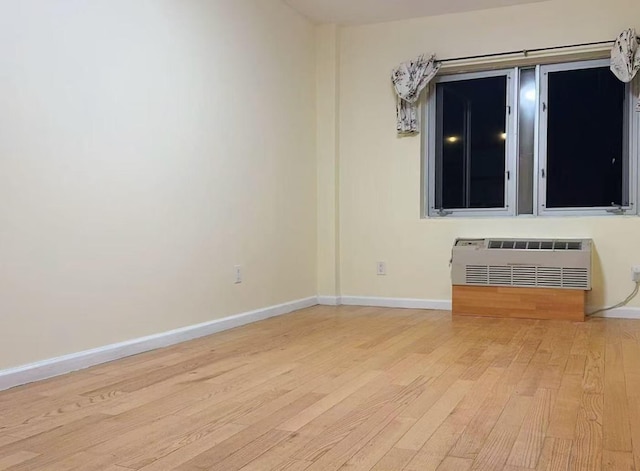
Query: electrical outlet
(382,268)
(636,273)
(238,274)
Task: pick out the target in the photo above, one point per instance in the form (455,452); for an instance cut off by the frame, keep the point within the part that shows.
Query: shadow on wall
(595,297)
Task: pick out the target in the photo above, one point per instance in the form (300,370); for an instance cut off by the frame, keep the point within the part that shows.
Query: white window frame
(631,130)
(428,173)
(429,144)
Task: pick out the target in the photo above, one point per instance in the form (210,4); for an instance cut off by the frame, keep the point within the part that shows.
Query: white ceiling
(373,11)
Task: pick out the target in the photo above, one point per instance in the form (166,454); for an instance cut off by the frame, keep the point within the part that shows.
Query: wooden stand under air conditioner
(521,278)
(519,303)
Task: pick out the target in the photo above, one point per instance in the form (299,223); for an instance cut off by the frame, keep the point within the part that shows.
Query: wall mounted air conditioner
(532,278)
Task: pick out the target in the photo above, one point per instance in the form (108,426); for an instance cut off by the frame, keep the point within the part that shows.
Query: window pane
(528,103)
(471,133)
(585,145)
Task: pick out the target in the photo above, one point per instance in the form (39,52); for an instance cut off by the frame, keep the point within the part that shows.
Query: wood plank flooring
(346,388)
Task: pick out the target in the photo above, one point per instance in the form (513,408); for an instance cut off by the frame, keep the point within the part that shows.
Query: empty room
(319,235)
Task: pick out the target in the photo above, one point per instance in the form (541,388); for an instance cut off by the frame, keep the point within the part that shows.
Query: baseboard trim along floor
(77,361)
(443,305)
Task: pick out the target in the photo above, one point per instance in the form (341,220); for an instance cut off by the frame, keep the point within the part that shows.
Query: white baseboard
(76,361)
(620,313)
(443,305)
(406,303)
(329,300)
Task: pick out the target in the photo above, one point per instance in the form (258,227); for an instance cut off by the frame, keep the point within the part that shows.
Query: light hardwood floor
(346,388)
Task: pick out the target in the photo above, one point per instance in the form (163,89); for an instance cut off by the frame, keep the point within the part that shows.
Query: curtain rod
(527,51)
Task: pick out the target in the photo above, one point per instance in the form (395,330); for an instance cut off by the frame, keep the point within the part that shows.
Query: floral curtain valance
(625,56)
(409,79)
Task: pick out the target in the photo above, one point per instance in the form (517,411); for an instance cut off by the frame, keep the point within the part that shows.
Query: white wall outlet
(636,273)
(381,268)
(238,274)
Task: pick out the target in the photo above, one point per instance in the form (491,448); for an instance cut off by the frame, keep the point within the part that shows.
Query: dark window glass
(585,145)
(471,137)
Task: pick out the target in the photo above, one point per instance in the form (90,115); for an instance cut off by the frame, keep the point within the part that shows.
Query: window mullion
(536,145)
(511,167)
(540,177)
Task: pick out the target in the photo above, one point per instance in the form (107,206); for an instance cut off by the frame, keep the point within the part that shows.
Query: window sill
(545,215)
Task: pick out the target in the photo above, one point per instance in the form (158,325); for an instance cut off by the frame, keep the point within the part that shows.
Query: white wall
(379,173)
(146,147)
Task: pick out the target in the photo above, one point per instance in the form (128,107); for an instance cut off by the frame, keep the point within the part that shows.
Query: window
(471,118)
(584,149)
(548,140)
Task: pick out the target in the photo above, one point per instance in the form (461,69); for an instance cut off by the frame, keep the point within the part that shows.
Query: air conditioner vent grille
(505,244)
(527,276)
(500,275)
(524,276)
(477,274)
